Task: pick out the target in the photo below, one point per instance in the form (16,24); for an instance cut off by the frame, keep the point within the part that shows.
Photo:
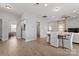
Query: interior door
(38,29)
(23,31)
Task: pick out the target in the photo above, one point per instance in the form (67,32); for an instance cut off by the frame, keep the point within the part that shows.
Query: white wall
(7,20)
(23,31)
(31,27)
(43,28)
(30,31)
(18,29)
(54,25)
(68,23)
(72,23)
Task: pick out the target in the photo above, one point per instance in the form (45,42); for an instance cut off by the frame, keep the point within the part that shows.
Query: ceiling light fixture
(8,7)
(56,9)
(45,5)
(74,11)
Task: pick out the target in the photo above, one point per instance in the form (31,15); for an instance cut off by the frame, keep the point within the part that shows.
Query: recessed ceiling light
(8,7)
(74,10)
(45,5)
(56,9)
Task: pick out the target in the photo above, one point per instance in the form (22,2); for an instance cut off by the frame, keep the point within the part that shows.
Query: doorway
(38,29)
(12,33)
(23,27)
(0,29)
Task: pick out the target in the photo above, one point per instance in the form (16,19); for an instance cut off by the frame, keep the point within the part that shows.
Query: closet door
(0,29)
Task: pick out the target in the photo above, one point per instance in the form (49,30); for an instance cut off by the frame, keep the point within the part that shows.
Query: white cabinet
(76,38)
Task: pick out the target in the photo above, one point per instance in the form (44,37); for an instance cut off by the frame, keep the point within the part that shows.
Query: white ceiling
(40,10)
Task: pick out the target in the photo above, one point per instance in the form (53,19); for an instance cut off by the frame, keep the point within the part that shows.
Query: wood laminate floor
(39,47)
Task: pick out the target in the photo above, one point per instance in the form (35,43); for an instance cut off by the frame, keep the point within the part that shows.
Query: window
(13,27)
(50,28)
(61,27)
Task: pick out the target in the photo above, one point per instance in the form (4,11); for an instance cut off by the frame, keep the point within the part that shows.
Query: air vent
(44,16)
(37,3)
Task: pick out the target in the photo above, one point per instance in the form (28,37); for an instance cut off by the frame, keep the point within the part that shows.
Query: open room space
(39,29)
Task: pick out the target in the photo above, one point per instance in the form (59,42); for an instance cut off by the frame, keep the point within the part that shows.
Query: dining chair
(76,38)
(54,41)
(68,41)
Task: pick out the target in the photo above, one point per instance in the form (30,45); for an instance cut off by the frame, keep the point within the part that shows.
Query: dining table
(63,36)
